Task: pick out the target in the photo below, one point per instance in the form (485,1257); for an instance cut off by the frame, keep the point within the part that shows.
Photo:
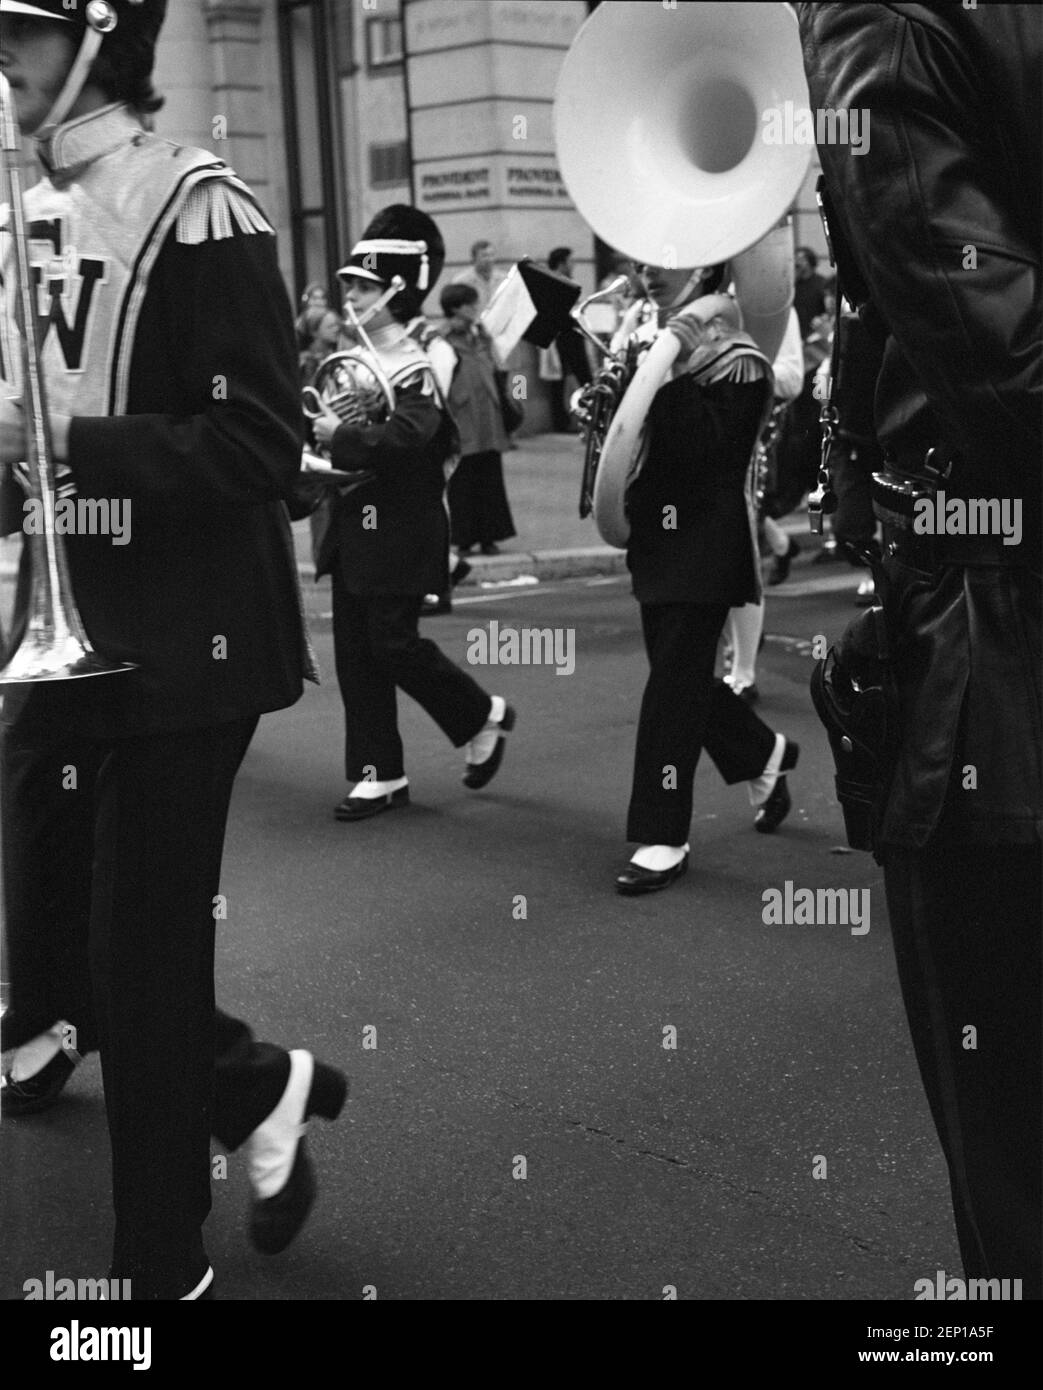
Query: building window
(383,42)
(308,47)
(343,37)
(389,164)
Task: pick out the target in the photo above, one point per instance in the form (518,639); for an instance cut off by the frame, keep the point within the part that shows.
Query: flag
(532,303)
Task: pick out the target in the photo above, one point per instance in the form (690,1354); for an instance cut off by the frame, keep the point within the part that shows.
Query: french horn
(351,384)
(355,387)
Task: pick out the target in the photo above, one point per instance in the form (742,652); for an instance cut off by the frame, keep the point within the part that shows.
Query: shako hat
(401,240)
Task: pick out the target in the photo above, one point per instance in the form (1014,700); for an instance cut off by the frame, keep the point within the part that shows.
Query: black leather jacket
(942,217)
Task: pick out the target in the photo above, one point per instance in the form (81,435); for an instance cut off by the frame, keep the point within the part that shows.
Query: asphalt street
(519,1130)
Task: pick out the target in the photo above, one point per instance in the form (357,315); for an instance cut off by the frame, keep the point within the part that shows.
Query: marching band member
(388,541)
(746,623)
(116,789)
(692,557)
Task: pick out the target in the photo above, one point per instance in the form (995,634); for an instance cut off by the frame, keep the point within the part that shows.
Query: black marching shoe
(481,774)
(359,807)
(276,1221)
(36,1092)
(634,879)
(771,813)
(780,566)
(463,569)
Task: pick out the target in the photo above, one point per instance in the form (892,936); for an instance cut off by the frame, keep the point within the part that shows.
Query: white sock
(481,746)
(777,537)
(370,791)
(659,857)
(761,787)
(270,1148)
(746,624)
(34,1055)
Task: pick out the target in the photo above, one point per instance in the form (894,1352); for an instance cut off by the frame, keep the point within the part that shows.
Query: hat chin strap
(90,47)
(360,320)
(693,281)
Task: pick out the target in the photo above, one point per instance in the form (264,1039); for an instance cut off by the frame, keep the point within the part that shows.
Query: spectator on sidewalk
(572,360)
(483,274)
(325,331)
(809,288)
(478,507)
(314,297)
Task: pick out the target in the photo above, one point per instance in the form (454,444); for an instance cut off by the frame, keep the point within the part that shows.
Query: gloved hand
(689,331)
(327,425)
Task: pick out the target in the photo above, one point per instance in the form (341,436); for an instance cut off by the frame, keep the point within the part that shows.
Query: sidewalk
(543,478)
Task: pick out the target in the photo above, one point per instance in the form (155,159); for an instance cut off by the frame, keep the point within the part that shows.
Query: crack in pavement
(740,1190)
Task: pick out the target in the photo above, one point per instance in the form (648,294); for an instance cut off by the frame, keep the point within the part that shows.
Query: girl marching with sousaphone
(672,479)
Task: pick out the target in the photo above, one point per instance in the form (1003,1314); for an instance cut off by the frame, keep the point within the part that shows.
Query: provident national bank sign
(493,181)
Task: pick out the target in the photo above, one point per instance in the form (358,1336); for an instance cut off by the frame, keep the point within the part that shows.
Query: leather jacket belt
(895,496)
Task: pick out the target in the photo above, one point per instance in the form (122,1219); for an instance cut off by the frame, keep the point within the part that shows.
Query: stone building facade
(331,109)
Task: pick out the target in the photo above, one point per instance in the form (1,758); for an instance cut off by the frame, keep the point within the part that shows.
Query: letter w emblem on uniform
(54,274)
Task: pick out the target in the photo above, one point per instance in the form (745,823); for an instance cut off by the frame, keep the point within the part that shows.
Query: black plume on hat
(409,223)
(400,240)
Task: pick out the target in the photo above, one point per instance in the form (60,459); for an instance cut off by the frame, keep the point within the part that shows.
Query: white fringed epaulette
(211,209)
(414,377)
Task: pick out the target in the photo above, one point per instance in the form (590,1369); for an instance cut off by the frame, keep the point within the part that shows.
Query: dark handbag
(856,697)
(511,412)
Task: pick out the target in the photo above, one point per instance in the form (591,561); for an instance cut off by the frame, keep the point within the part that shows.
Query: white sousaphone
(659,121)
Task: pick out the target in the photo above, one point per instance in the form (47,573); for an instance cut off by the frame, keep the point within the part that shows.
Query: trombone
(54,645)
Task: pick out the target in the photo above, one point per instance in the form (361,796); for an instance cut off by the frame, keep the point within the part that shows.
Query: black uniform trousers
(112,857)
(965,921)
(683,711)
(377,648)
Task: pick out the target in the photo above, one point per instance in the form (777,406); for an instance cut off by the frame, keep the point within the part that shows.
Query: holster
(856,697)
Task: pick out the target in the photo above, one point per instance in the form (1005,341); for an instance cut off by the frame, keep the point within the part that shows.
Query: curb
(575,563)
(572,562)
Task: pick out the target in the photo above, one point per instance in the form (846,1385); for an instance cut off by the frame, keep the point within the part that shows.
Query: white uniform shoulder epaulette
(413,375)
(215,209)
